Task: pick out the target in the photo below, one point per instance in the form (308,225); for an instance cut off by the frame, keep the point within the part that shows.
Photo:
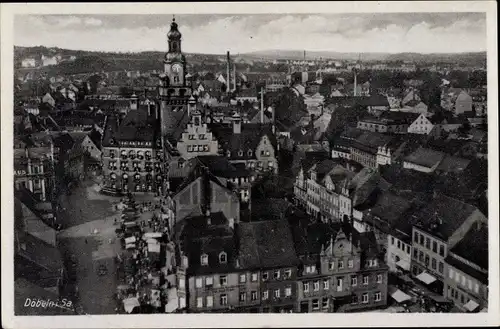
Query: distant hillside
(472,58)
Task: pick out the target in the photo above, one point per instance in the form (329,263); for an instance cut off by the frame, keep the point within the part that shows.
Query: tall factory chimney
(234,76)
(228,81)
(355,82)
(262,105)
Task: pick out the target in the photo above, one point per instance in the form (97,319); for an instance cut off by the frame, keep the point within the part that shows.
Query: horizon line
(264,50)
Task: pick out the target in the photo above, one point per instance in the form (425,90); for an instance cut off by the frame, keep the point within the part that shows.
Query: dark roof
(399,117)
(425,157)
(39,252)
(64,141)
(248,139)
(266,244)
(456,263)
(390,208)
(221,167)
(474,246)
(95,136)
(443,216)
(453,164)
(402,179)
(199,238)
(370,141)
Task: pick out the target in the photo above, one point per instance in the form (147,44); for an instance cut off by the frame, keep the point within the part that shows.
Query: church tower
(174,90)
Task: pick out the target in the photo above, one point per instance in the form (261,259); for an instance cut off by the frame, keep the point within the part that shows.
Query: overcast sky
(406,32)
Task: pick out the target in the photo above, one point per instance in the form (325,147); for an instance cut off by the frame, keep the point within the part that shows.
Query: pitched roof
(266,244)
(425,157)
(370,141)
(443,216)
(39,252)
(221,167)
(474,246)
(453,164)
(247,140)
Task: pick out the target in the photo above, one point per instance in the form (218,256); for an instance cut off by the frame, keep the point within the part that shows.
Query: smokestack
(262,105)
(274,118)
(355,82)
(234,76)
(228,82)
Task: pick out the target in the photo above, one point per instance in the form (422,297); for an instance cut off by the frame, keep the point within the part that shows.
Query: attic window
(223,258)
(204,259)
(240,153)
(250,153)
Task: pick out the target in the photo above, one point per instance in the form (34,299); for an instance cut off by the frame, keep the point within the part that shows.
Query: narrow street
(87,227)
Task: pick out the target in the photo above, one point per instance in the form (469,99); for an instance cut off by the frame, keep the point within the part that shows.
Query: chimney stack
(262,105)
(234,76)
(228,68)
(355,82)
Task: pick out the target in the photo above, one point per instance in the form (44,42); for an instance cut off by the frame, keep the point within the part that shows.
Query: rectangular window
(210,301)
(288,291)
(243,278)
(427,243)
(457,277)
(399,244)
(354,299)
(189,148)
(199,302)
(354,281)
(316,285)
(265,295)
(223,299)
(223,280)
(255,277)
(199,283)
(441,250)
(306,286)
(450,273)
(421,239)
(427,260)
(288,274)
(379,278)
(277,293)
(315,304)
(470,284)
(209,281)
(421,256)
(325,303)
(265,276)
(254,295)
(378,296)
(434,246)
(365,298)
(434,264)
(326,284)
(476,288)
(415,253)
(392,240)
(365,279)
(276,274)
(408,249)
(243,296)
(341,264)
(464,284)
(350,263)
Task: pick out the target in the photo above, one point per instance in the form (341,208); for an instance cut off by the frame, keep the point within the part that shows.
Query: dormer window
(204,259)
(250,153)
(240,153)
(223,258)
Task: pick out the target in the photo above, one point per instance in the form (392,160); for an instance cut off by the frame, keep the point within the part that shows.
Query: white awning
(130,240)
(426,278)
(404,265)
(130,246)
(130,303)
(400,296)
(154,247)
(471,305)
(152,235)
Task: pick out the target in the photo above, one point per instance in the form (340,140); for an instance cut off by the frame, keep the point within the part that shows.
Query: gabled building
(424,125)
(437,229)
(466,268)
(424,160)
(253,145)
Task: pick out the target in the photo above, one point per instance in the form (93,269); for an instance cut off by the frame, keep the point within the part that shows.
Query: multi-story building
(437,229)
(339,272)
(424,125)
(197,139)
(253,145)
(388,122)
(267,251)
(373,149)
(466,268)
(132,156)
(34,170)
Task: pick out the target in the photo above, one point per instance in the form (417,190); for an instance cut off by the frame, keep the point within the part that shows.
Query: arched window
(223,257)
(204,259)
